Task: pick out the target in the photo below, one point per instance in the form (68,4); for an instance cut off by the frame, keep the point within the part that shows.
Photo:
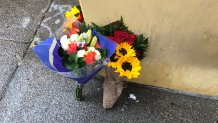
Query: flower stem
(79,93)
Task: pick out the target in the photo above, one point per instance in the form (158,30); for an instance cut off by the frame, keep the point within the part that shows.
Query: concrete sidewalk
(29,93)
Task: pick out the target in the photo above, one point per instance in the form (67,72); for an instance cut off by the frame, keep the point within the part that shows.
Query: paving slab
(53,21)
(36,94)
(20,18)
(11,54)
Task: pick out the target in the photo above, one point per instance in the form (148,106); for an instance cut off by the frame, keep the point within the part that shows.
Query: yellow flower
(73,12)
(129,67)
(113,61)
(124,49)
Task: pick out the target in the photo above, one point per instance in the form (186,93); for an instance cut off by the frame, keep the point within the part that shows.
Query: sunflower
(129,67)
(124,49)
(113,61)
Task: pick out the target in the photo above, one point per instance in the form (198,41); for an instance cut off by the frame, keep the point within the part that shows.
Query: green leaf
(78,7)
(140,38)
(73,58)
(108,30)
(104,53)
(66,63)
(121,19)
(94,25)
(81,59)
(81,64)
(140,45)
(74,66)
(83,27)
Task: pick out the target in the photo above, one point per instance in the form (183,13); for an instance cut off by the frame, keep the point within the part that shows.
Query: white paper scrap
(132,96)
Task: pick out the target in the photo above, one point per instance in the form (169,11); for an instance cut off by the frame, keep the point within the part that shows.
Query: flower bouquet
(78,55)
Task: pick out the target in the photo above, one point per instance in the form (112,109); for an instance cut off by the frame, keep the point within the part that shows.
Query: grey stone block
(11,54)
(20,18)
(53,20)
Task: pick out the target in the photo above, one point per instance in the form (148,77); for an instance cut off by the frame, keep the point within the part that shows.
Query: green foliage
(141,46)
(81,62)
(109,29)
(73,62)
(73,58)
(104,53)
(78,7)
(83,27)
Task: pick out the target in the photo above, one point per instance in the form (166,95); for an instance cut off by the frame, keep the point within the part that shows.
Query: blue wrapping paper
(105,43)
(47,52)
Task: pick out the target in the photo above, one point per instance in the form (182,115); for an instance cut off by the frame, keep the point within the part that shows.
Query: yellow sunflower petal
(128,74)
(112,64)
(136,68)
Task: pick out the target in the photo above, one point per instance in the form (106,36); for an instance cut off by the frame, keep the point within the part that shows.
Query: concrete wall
(183,37)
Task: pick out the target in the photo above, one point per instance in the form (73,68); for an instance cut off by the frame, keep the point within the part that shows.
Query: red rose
(98,46)
(130,42)
(120,36)
(72,48)
(80,17)
(90,57)
(110,37)
(131,39)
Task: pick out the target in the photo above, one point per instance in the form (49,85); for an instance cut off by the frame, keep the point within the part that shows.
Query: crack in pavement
(18,42)
(6,86)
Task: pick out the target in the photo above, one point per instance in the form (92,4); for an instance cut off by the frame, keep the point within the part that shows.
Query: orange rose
(90,57)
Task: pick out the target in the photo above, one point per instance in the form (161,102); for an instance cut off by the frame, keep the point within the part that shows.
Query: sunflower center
(127,66)
(123,51)
(113,59)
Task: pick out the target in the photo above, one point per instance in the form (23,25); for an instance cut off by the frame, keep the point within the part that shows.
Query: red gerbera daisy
(72,48)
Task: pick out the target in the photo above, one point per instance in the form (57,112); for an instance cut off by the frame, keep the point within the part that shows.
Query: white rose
(74,37)
(81,53)
(91,49)
(84,35)
(64,42)
(98,55)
